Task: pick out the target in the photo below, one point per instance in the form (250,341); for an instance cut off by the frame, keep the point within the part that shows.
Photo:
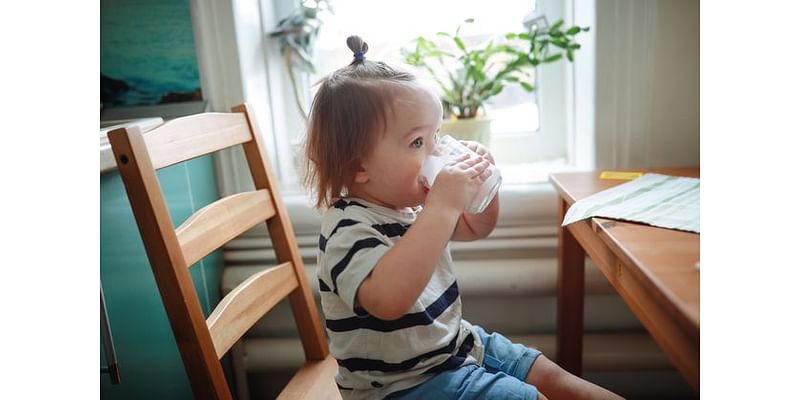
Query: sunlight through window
(513,111)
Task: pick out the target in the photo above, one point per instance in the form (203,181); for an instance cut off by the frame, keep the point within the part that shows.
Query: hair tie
(359,55)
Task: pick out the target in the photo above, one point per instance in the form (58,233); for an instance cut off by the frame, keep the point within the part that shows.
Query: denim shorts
(502,375)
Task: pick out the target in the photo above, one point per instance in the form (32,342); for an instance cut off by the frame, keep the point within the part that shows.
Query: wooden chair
(202,342)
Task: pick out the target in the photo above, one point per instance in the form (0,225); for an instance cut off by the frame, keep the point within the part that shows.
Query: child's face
(390,174)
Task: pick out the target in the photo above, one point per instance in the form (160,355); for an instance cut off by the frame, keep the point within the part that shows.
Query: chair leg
(239,371)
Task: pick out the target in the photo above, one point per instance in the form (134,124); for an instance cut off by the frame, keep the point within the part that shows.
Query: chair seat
(315,380)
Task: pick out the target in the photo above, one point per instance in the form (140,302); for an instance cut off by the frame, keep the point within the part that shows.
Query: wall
(149,362)
(648,83)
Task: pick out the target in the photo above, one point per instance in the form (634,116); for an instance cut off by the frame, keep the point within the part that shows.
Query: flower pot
(477,129)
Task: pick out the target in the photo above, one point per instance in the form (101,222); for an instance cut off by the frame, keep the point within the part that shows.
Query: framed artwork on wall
(148,60)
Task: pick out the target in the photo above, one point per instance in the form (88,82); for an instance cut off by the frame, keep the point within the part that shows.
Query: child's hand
(478,148)
(458,182)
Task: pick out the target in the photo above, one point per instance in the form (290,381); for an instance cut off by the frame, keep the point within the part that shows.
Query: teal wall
(149,362)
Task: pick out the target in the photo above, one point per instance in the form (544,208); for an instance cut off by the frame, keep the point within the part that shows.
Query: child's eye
(417,143)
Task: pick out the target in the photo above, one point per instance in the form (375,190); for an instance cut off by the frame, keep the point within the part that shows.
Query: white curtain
(647,83)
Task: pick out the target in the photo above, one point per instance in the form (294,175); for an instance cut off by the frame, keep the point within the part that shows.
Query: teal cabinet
(149,361)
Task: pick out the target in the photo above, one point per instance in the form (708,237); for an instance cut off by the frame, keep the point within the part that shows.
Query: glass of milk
(448,148)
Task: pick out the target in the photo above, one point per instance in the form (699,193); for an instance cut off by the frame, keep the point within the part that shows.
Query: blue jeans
(502,375)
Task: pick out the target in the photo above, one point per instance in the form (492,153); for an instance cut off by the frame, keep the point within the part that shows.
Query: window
(521,143)
(239,61)
(513,110)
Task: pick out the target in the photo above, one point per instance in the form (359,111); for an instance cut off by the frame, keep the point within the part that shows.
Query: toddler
(389,295)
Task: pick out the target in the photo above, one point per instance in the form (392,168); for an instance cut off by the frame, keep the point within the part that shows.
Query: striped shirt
(378,357)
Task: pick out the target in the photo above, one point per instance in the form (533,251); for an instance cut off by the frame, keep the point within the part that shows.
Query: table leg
(569,313)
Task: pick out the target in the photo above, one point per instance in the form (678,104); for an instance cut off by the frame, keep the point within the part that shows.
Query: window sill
(107,162)
(529,202)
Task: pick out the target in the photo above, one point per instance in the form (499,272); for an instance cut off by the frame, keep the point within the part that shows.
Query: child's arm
(402,273)
(478,226)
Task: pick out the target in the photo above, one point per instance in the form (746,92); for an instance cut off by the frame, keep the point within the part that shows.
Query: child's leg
(557,383)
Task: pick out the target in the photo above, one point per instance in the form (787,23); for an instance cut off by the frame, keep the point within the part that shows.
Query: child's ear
(361,175)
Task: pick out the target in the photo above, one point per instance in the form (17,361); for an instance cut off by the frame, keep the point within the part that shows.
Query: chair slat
(247,303)
(219,222)
(196,135)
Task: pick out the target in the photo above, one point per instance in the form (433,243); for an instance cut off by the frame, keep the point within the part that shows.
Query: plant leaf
(527,86)
(459,43)
(554,57)
(555,27)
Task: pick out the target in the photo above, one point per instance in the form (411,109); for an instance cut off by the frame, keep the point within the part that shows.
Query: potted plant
(469,76)
(297,35)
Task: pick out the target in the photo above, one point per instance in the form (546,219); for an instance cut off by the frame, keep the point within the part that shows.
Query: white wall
(647,99)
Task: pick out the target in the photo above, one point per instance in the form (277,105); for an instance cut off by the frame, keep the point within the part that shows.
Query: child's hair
(348,113)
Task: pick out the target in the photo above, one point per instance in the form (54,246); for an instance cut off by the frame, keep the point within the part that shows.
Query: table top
(666,259)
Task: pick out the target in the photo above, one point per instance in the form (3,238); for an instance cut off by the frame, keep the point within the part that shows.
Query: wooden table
(653,269)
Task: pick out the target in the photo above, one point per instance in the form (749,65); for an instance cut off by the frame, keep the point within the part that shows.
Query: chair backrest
(202,342)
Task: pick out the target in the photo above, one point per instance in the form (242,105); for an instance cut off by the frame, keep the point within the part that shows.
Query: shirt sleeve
(350,255)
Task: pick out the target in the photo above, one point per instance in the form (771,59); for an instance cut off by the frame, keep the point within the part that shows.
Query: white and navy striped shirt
(378,357)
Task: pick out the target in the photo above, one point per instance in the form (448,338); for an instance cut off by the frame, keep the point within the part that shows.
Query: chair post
(169,267)
(301,299)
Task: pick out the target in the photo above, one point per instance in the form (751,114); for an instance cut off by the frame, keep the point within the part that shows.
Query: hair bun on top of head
(358,46)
